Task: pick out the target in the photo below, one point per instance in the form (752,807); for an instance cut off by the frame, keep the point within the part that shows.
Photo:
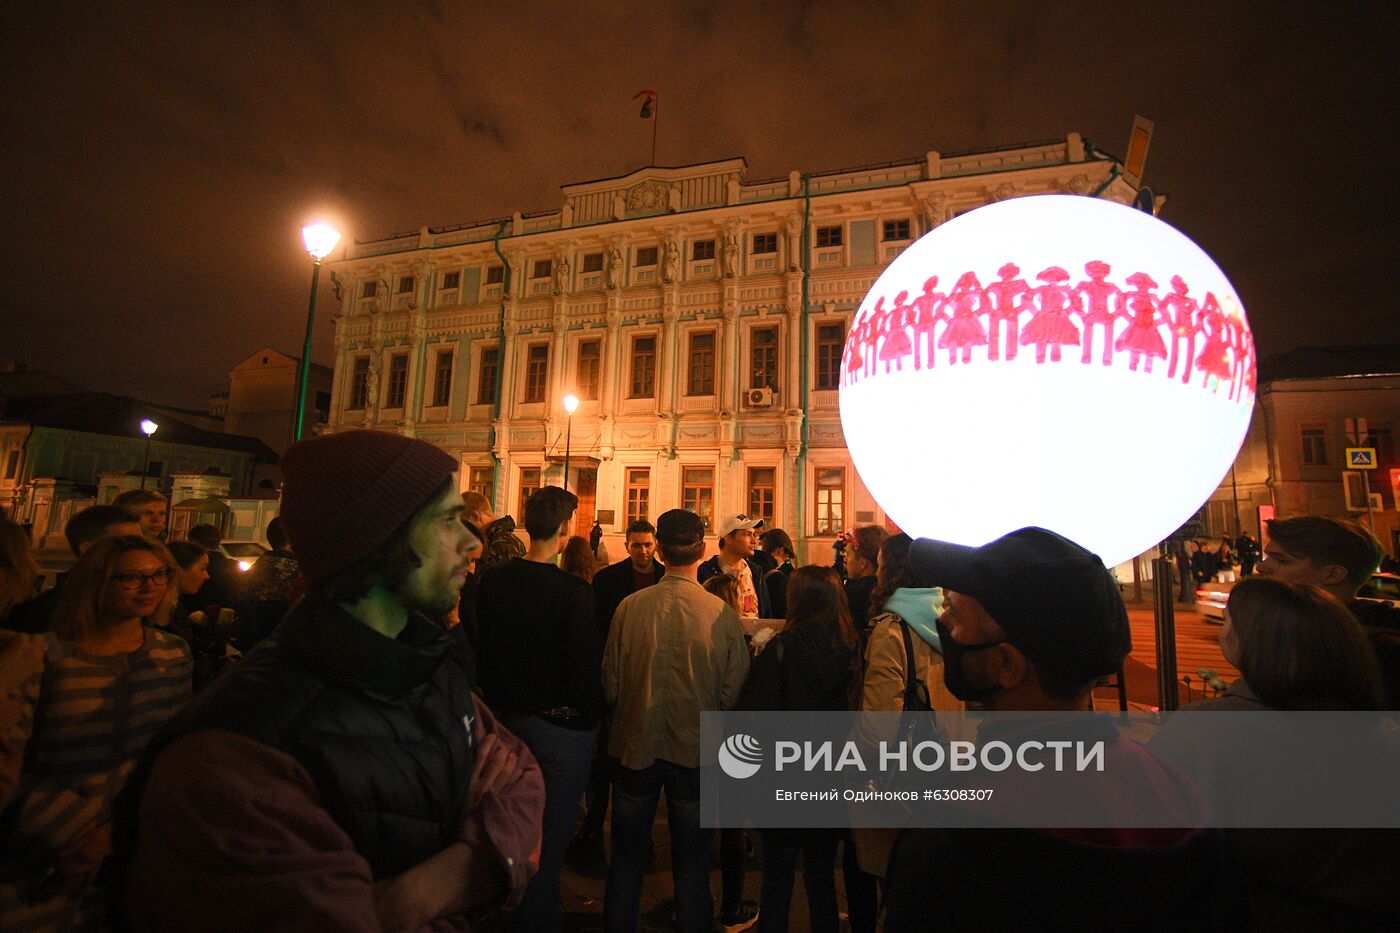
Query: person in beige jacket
(673,650)
(901,598)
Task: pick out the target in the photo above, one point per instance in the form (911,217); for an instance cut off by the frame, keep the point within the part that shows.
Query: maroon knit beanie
(344,494)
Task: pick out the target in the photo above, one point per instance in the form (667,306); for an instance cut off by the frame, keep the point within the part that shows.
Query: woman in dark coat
(810,665)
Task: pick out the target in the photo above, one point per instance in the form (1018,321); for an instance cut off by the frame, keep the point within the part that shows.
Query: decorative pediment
(647,196)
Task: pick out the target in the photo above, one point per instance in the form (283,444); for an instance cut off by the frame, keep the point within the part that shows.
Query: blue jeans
(564,756)
(634,798)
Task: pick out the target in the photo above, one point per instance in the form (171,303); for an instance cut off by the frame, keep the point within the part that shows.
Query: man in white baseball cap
(737,543)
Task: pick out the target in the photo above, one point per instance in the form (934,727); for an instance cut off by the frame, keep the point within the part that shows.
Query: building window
(638,494)
(646,256)
(643,368)
(698,493)
(1380,438)
(486,376)
(359,383)
(483,480)
(542,268)
(536,369)
(451,280)
(701,378)
(442,378)
(830,517)
(589,361)
(702,250)
(831,339)
(894,230)
(398,380)
(495,275)
(369,290)
(763,358)
(765,243)
(828,236)
(405,284)
(762,488)
(593,262)
(529,485)
(12,464)
(1315,446)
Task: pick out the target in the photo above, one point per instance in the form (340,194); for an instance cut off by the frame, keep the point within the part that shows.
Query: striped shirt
(82,725)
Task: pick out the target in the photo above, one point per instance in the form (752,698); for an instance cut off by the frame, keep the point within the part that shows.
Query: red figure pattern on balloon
(1165,327)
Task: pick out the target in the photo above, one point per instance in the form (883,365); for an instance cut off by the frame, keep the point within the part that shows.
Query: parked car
(243,552)
(1212,596)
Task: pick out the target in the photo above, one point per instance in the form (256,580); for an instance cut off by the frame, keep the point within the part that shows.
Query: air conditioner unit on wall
(761,398)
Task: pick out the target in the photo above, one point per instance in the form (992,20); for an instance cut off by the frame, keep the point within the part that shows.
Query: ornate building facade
(699,317)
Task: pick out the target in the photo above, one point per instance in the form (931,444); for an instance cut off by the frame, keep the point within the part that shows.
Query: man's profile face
(742,543)
(152,518)
(1282,564)
(442,543)
(640,545)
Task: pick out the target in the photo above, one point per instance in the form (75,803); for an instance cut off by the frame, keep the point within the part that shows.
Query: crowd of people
(413,719)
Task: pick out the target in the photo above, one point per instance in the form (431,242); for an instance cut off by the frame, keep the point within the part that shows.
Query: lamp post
(570,406)
(320,239)
(148,428)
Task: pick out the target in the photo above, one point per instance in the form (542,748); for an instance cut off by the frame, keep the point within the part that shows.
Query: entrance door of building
(586,488)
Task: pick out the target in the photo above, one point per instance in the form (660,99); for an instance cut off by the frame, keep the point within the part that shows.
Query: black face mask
(953,677)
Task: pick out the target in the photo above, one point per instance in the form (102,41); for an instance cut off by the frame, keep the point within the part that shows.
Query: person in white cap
(738,540)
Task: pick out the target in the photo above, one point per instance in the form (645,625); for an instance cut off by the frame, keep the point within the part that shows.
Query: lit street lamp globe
(1058,361)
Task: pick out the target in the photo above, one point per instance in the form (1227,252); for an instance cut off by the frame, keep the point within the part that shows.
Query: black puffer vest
(382,725)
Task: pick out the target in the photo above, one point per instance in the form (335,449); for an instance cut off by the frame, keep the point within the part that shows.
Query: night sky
(159,159)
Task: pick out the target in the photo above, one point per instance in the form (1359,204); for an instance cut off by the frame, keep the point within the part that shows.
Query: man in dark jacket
(611,586)
(738,541)
(862,560)
(541,664)
(1030,622)
(616,582)
(343,775)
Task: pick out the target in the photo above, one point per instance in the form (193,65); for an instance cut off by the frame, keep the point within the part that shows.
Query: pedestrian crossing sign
(1361,458)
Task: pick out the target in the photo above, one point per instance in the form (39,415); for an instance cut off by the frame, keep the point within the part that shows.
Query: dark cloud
(159,158)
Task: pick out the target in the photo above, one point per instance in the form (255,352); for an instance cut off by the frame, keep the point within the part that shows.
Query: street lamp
(320,239)
(148,428)
(570,406)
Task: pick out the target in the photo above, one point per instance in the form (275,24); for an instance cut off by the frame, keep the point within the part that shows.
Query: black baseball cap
(679,528)
(1055,600)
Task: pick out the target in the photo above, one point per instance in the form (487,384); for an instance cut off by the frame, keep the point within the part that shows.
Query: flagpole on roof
(655,119)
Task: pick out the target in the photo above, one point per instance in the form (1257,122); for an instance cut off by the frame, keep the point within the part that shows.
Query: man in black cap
(343,775)
(673,650)
(1031,622)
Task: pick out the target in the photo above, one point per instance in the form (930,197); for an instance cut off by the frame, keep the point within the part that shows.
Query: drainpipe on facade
(806,275)
(500,364)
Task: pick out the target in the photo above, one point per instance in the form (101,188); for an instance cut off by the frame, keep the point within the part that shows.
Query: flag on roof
(648,103)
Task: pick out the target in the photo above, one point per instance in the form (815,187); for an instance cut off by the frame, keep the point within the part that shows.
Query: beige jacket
(673,650)
(882,690)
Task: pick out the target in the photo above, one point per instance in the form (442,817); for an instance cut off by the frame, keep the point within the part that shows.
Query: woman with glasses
(108,683)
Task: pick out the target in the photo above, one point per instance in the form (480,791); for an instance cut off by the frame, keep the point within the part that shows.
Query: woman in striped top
(108,684)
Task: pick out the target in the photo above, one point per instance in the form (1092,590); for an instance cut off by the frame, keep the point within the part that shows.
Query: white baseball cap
(733,523)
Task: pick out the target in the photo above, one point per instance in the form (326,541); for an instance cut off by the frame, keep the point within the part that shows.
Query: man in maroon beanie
(343,775)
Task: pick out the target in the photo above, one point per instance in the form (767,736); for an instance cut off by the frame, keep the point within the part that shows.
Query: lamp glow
(570,404)
(1057,361)
(148,427)
(320,239)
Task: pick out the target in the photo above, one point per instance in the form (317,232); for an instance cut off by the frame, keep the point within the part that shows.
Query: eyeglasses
(134,581)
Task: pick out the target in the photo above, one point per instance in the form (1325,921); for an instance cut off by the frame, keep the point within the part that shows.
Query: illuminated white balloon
(1076,364)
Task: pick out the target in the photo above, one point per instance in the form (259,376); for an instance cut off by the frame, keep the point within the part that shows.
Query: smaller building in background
(261,398)
(59,443)
(1314,404)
